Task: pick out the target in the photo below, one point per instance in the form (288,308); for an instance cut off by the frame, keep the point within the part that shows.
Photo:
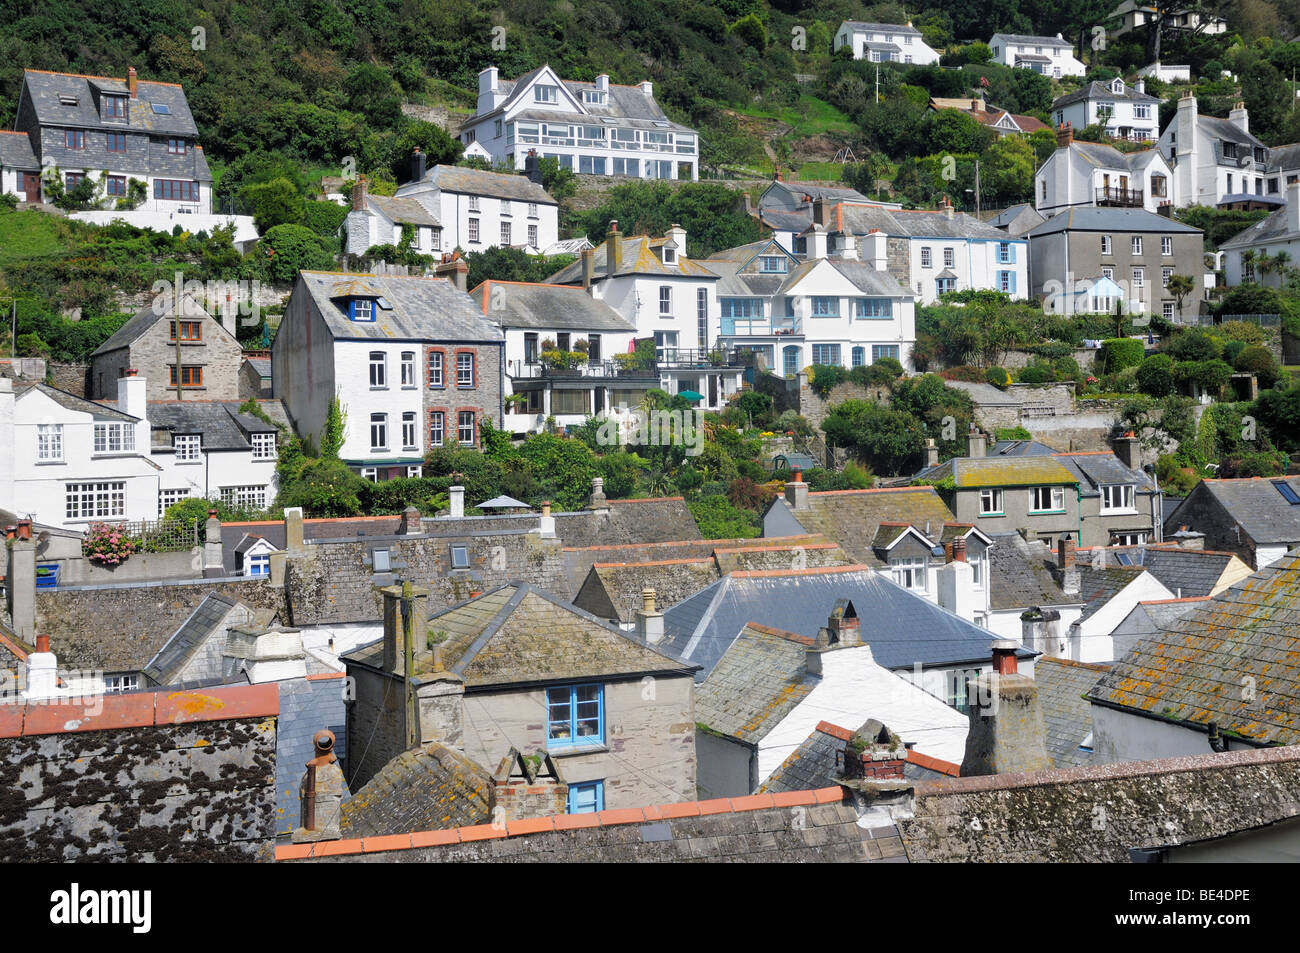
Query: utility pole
(977,188)
(877,82)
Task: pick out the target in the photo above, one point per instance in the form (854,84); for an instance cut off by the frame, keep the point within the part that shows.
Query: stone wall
(484,398)
(814,408)
(153,353)
(1083,356)
(73,378)
(187,776)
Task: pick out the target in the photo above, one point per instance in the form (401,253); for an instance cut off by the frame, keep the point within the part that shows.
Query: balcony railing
(1128,198)
(672,358)
(764,327)
(538,370)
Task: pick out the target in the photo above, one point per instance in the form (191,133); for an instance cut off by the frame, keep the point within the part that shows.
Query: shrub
(108,544)
(1116,354)
(1209,375)
(998,377)
(1248,332)
(1012,433)
(1258,361)
(718,519)
(1192,344)
(1232,349)
(824,377)
(1156,375)
(1035,374)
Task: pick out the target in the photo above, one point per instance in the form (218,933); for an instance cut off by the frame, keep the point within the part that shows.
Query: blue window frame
(258,564)
(790,360)
(859,356)
(586,797)
(361,309)
(575,716)
(826,354)
(1007,282)
(944,285)
(874,308)
(883,350)
(825,307)
(772,264)
(1004,253)
(742,307)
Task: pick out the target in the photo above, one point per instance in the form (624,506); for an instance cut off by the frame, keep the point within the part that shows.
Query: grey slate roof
(1091,219)
(1095,469)
(1022,40)
(852,518)
(1098,586)
(306,706)
(1226,129)
(1187,573)
(1275,228)
(1020,448)
(860,219)
(902,628)
(863,277)
(1254,503)
(423,309)
(517,304)
(1095,90)
(205,621)
(1246,631)
(45,90)
(16,152)
(1067,717)
(1019,574)
(1283,158)
(73,402)
(407,211)
(501,185)
(219,421)
(518,633)
(880,27)
(628,104)
(758,680)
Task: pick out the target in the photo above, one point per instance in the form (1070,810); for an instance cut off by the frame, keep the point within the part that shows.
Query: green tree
(287,249)
(272,203)
(1155,375)
(889,441)
(331,440)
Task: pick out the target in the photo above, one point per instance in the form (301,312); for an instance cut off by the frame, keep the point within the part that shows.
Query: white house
(1051,56)
(1167,72)
(1217,162)
(561,349)
(1124,111)
(69,462)
(1089,638)
(596,128)
(1093,174)
(825,310)
(113,131)
(885,43)
(414,363)
(209,449)
(668,297)
(1245,254)
(787,207)
(1131,15)
(383,220)
(477,209)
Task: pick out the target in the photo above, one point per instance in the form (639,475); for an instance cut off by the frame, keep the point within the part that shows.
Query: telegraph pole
(408,665)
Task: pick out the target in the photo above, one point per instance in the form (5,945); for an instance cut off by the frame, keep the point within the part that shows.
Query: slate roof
(519,634)
(1019,574)
(649,520)
(1098,586)
(162,307)
(859,218)
(758,680)
(1020,448)
(1091,219)
(423,309)
(628,104)
(852,517)
(901,628)
(407,211)
(1188,573)
(1254,503)
(501,185)
(880,27)
(46,88)
(1095,90)
(861,275)
(1067,716)
(1227,129)
(1008,215)
(219,421)
(1023,40)
(815,191)
(205,621)
(73,402)
(16,151)
(306,706)
(428,788)
(1275,228)
(1283,158)
(976,472)
(1192,671)
(636,257)
(518,304)
(1092,469)
(817,763)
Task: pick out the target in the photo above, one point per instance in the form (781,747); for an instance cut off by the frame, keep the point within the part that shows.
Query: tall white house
(1050,55)
(1082,174)
(1245,254)
(1123,111)
(1217,162)
(596,128)
(669,297)
(885,43)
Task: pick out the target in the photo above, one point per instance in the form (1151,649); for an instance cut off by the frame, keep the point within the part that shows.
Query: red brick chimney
(1064,135)
(359,194)
(132,84)
(1065,552)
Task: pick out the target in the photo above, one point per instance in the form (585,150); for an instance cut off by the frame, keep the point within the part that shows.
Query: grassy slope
(28,234)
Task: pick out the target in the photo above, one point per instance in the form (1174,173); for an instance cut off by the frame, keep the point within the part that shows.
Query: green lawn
(28,234)
(809,117)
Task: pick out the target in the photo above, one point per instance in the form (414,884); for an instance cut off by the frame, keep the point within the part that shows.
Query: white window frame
(440,418)
(378,429)
(1053,495)
(88,501)
(911,572)
(49,443)
(408,371)
(949,257)
(245,497)
(460,427)
(927,260)
(168,498)
(378,370)
(1105,245)
(263,445)
(1136,244)
(1126,493)
(409,436)
(1139,278)
(1166,245)
(114,438)
(991,502)
(665,299)
(464,369)
(187,447)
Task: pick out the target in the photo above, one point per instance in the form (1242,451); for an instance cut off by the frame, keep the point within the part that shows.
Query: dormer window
(772,264)
(593,97)
(1229,150)
(114,107)
(546,94)
(1117,87)
(361,309)
(670,255)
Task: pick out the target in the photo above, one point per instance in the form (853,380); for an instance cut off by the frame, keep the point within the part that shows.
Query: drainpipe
(1078,508)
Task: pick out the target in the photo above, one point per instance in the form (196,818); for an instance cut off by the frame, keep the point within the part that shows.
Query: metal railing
(1110,195)
(538,369)
(1263,320)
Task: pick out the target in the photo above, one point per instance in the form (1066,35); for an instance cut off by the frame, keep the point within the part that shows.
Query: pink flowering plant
(108,544)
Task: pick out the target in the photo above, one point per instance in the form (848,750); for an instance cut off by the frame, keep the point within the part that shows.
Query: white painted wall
(1119,736)
(359,400)
(1091,640)
(1062,57)
(914,49)
(975,262)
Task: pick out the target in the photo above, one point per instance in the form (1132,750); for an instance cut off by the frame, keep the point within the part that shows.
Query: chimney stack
(417,165)
(649,622)
(1239,117)
(1040,631)
(931,453)
(1293,206)
(848,247)
(956,583)
(524,788)
(678,235)
(456,502)
(533,167)
(1007,734)
(598,499)
(1126,448)
(395,627)
(844,625)
(976,442)
(1064,135)
(796,491)
(322,793)
(613,250)
(588,269)
(42,670)
(359,194)
(213,560)
(456,271)
(546,525)
(1065,552)
(411,523)
(293,531)
(132,83)
(819,212)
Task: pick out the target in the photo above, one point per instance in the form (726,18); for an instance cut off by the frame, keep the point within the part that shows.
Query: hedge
(1120,353)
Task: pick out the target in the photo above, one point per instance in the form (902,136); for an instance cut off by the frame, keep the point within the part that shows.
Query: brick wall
(186,776)
(484,398)
(153,353)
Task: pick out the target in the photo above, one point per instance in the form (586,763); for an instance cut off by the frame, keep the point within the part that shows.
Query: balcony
(535,370)
(682,358)
(1123,198)
(760,327)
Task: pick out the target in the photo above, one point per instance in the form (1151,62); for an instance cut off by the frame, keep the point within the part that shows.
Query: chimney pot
(24,529)
(959,550)
(1004,656)
(42,643)
(132,82)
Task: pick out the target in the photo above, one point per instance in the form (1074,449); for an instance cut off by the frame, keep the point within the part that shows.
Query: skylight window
(68,100)
(162,109)
(382,562)
(1287,492)
(460,557)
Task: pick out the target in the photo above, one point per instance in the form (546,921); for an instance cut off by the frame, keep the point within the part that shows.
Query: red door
(30,186)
